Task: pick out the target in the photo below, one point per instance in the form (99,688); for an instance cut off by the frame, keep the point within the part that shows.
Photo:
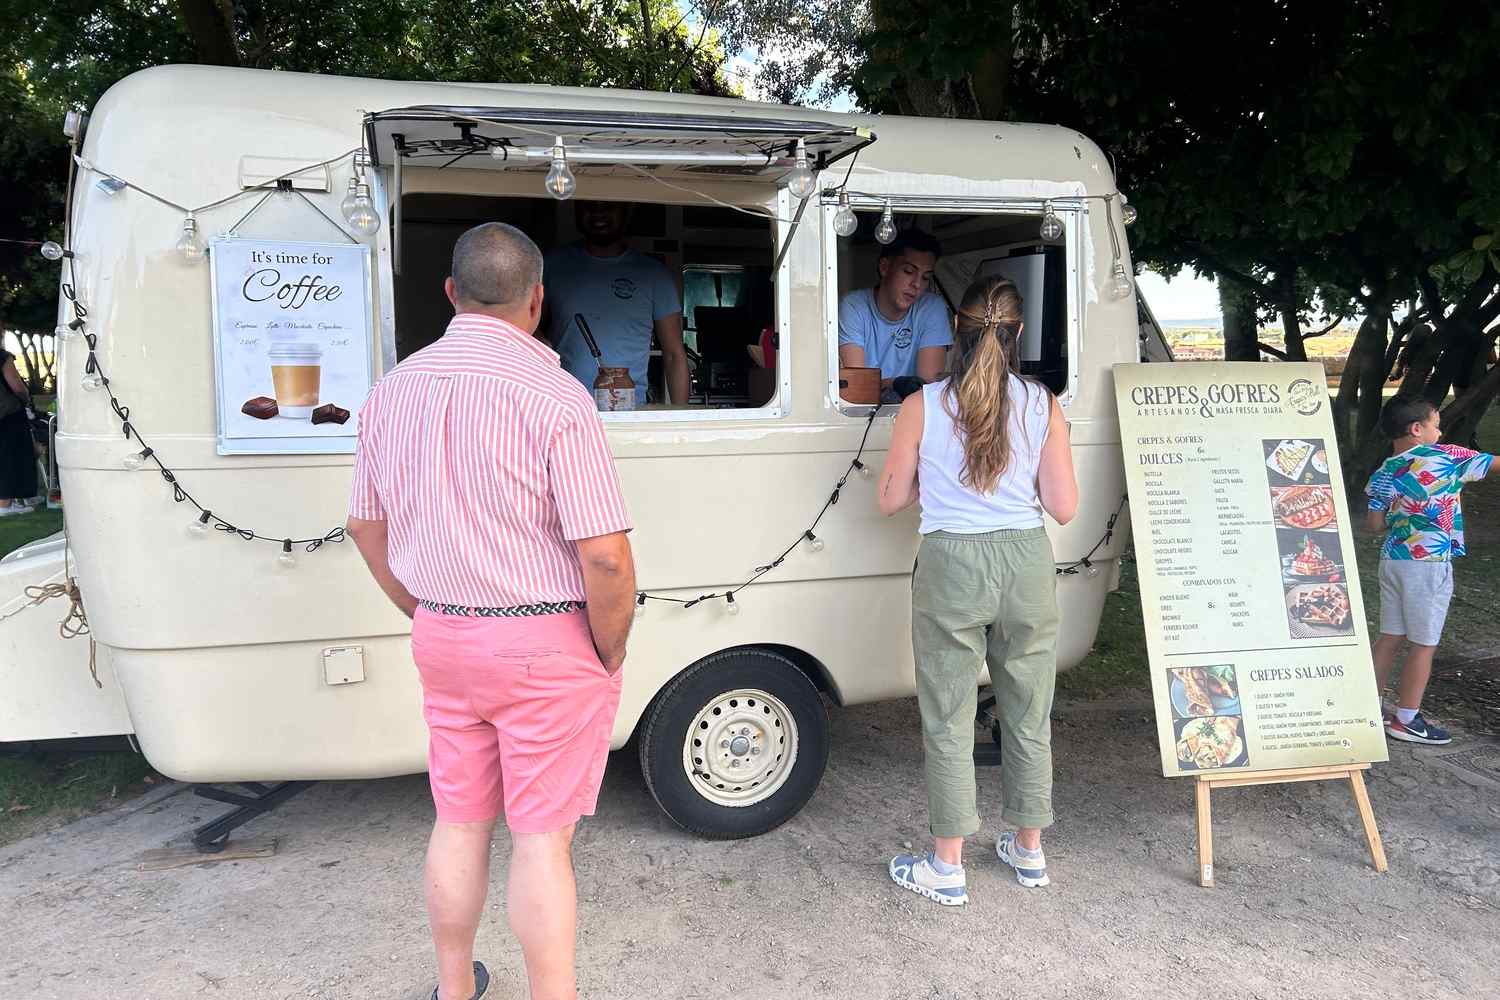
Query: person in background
(486,506)
(900,326)
(17,451)
(1414,502)
(625,296)
(984,452)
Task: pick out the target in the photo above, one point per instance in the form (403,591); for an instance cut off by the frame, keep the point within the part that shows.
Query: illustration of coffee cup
(296,373)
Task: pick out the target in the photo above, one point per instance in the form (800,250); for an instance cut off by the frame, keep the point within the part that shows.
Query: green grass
(20,529)
(42,788)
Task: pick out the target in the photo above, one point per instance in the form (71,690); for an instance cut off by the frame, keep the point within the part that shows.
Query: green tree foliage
(64,54)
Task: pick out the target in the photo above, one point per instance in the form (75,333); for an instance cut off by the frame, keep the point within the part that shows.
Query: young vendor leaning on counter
(900,326)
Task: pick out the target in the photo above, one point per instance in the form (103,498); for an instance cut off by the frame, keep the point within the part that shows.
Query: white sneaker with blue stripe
(915,872)
(1030,866)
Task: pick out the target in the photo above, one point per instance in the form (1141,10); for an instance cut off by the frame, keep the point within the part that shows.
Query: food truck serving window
(678,310)
(935,255)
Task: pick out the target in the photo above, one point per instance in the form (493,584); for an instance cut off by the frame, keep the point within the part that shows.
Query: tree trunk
(210,24)
(1356,408)
(1240,334)
(1291,322)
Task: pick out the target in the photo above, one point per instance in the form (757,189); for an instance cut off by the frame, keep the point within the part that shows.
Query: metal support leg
(211,836)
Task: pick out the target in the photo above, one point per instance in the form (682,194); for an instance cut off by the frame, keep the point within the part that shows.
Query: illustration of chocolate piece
(329,414)
(261,408)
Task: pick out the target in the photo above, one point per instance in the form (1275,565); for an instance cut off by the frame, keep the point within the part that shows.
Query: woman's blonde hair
(987,351)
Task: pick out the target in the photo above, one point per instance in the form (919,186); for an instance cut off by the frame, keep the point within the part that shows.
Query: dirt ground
(807,910)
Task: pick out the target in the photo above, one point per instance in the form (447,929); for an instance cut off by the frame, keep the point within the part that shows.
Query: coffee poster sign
(292,342)
(1255,625)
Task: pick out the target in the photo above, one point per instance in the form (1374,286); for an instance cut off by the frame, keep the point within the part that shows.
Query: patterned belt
(521,611)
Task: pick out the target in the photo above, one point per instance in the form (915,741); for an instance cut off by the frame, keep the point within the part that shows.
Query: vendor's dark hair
(912,239)
(1400,412)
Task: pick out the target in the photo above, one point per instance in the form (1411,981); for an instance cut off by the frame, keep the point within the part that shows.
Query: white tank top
(949,505)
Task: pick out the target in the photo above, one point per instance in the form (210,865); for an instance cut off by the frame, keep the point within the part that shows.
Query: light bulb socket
(286,546)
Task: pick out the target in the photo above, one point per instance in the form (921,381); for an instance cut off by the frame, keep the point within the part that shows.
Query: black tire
(664,735)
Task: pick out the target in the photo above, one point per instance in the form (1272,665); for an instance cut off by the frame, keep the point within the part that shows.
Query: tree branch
(1275,352)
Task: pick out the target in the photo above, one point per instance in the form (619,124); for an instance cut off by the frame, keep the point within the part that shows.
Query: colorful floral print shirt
(1418,491)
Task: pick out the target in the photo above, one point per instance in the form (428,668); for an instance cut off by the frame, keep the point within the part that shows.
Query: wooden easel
(1206,783)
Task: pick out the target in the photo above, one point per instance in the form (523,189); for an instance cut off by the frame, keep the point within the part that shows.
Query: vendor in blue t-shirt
(624,295)
(900,326)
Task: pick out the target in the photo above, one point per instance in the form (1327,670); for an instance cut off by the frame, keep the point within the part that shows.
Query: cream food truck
(236,638)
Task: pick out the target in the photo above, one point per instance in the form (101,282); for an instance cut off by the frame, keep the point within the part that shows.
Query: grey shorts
(1414,596)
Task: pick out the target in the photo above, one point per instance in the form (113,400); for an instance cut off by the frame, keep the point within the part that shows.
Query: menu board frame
(1255,624)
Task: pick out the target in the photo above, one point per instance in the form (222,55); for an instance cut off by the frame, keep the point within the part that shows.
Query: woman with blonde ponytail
(985,452)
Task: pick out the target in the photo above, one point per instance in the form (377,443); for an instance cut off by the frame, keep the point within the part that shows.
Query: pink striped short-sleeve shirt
(487,461)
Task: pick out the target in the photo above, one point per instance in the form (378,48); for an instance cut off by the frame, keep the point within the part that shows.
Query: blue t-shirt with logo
(893,346)
(620,297)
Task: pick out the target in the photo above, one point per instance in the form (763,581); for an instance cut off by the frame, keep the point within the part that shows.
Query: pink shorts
(519,714)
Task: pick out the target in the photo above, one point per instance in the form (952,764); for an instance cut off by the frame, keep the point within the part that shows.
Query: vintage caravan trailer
(237,659)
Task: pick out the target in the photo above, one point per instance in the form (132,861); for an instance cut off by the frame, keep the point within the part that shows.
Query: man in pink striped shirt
(487,508)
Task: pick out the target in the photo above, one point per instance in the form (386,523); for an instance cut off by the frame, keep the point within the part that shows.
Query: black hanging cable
(180,494)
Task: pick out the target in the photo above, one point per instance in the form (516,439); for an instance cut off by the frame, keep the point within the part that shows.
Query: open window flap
(522,138)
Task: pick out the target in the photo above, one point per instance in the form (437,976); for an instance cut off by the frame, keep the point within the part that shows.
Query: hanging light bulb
(136,460)
(286,560)
(640,605)
(189,244)
(498,153)
(801,182)
(92,381)
(347,205)
(863,469)
(1120,285)
(730,605)
(362,217)
(1090,568)
(813,541)
(1052,227)
(199,527)
(886,232)
(560,181)
(53,250)
(1127,210)
(845,222)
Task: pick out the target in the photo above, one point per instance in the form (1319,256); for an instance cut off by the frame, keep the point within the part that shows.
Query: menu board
(1255,626)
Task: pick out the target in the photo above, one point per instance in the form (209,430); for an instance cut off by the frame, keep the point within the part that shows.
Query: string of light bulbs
(95,379)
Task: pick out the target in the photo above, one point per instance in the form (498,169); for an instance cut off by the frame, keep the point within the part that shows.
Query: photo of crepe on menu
(1207,721)
(1296,461)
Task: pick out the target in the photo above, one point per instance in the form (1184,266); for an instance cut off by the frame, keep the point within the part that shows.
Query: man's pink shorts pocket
(519,715)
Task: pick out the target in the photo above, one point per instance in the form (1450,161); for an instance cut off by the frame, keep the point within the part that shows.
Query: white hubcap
(740,748)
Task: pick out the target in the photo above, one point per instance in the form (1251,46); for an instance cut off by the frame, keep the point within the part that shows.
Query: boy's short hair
(1400,412)
(912,239)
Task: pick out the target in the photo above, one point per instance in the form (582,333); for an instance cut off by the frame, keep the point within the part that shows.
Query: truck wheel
(735,745)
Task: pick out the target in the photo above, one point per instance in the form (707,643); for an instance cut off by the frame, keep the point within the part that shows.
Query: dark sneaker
(481,982)
(1418,730)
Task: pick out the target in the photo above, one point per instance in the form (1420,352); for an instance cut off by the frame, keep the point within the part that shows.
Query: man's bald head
(495,265)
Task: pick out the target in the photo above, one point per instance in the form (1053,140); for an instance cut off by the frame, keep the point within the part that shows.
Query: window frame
(1072,211)
(780,405)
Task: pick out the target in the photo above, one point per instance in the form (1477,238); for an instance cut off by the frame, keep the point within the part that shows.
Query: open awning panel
(522,138)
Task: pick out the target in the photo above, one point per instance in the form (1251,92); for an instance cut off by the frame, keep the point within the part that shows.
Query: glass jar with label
(614,389)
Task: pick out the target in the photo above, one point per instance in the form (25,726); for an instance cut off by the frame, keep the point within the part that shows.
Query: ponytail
(978,394)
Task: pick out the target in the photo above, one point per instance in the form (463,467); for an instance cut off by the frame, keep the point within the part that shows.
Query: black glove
(906,385)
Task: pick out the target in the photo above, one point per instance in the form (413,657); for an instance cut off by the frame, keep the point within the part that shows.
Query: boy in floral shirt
(1414,500)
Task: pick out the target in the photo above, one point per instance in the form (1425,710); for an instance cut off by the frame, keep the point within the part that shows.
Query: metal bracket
(211,836)
(284,186)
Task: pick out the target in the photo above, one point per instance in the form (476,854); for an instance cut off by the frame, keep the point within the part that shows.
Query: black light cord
(809,535)
(180,494)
